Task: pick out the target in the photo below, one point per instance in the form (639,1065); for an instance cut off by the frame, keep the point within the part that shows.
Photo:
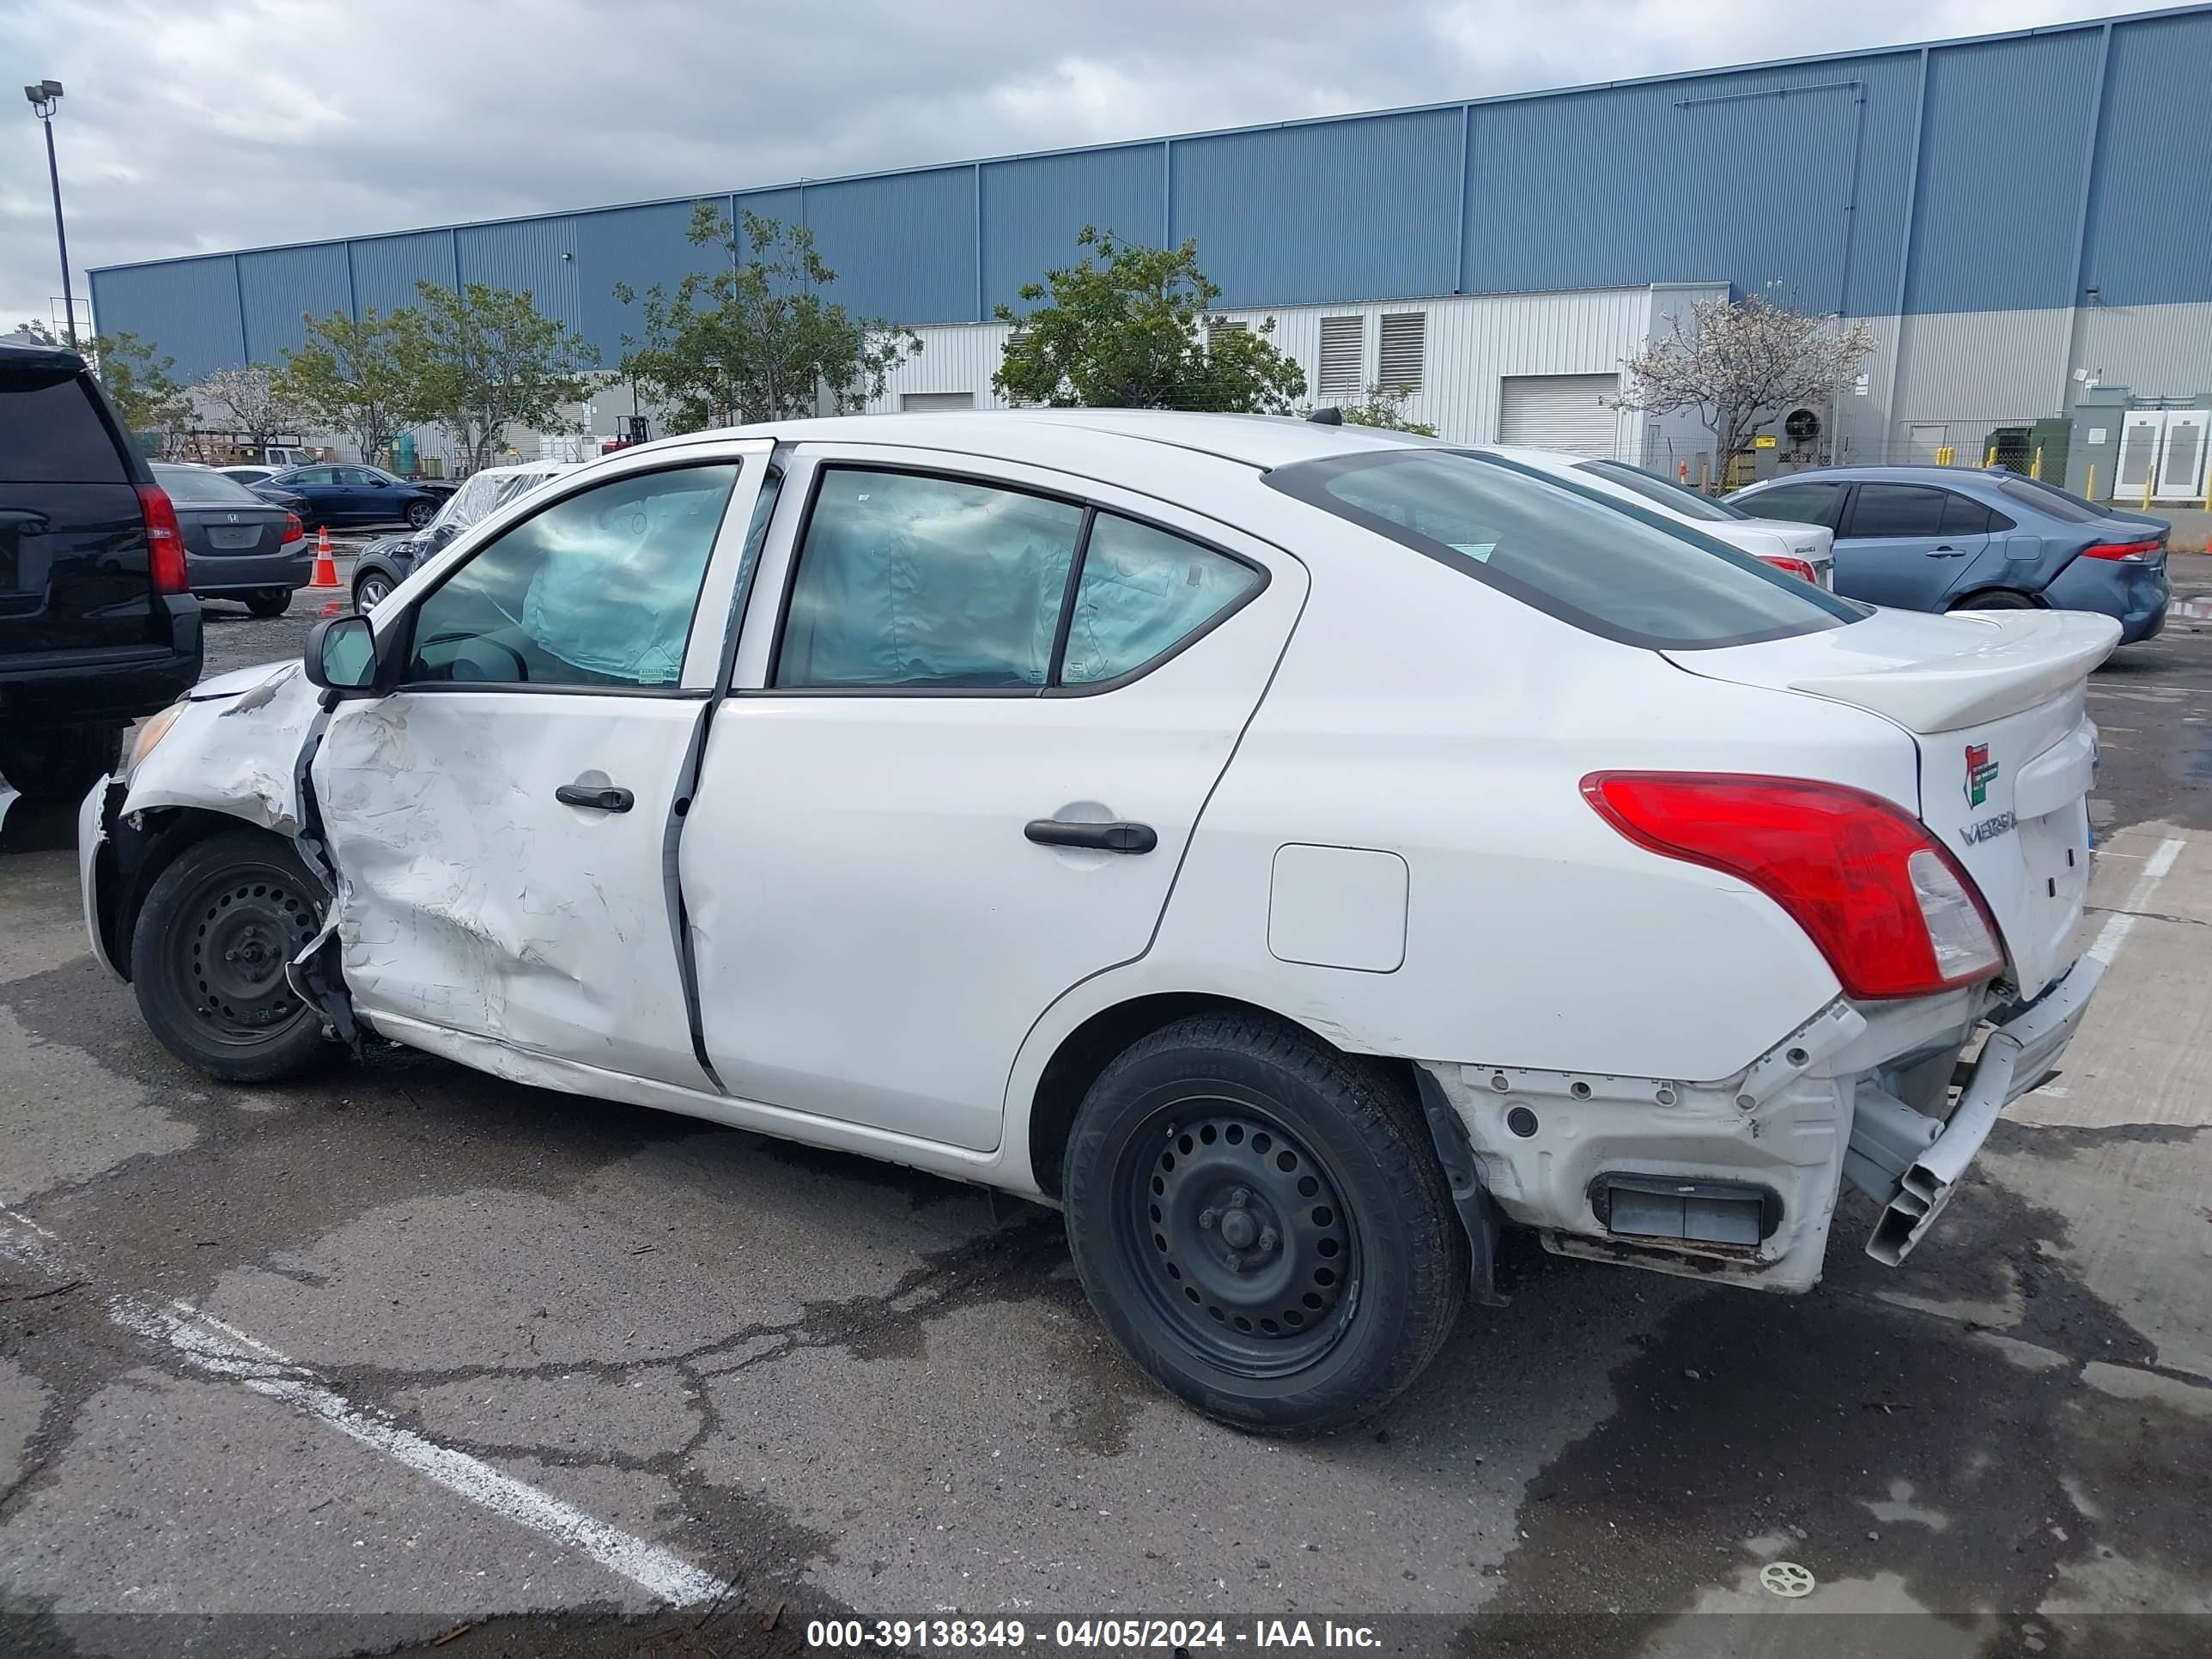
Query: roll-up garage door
(1559,412)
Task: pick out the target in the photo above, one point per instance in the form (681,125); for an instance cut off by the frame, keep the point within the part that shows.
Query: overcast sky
(198,124)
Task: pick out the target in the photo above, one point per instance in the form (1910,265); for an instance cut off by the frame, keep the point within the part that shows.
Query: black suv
(98,625)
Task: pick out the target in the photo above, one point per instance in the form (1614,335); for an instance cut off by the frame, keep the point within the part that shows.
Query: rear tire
(62,762)
(1263,1223)
(266,605)
(207,957)
(1994,599)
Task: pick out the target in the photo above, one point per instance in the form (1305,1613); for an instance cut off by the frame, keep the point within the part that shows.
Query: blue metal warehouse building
(2018,217)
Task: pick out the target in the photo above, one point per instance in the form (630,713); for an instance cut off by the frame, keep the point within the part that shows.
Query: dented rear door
(499,821)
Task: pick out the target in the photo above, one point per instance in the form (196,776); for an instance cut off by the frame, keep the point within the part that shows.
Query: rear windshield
(50,433)
(1604,565)
(189,483)
(2057,503)
(1666,492)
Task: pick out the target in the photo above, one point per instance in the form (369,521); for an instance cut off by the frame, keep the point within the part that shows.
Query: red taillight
(293,529)
(1801,569)
(1888,906)
(165,541)
(2135,552)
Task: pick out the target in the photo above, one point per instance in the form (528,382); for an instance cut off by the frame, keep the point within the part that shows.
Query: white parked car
(1295,850)
(1805,551)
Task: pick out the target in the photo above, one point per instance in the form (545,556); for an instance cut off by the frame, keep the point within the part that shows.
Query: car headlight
(150,734)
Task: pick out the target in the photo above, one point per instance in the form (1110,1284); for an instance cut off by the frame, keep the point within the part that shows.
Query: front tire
(420,514)
(209,953)
(372,589)
(1263,1223)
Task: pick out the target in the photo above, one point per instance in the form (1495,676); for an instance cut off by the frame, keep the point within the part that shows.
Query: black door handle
(1105,837)
(605,799)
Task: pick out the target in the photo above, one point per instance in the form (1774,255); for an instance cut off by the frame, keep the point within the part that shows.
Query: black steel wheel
(1237,1229)
(1262,1223)
(209,955)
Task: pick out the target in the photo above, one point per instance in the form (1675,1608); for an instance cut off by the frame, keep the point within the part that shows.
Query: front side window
(357,475)
(1600,565)
(1143,593)
(907,580)
(1795,503)
(598,589)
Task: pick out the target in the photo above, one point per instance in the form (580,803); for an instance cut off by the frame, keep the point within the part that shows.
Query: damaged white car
(1295,850)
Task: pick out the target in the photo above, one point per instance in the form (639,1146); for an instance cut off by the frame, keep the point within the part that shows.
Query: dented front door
(499,820)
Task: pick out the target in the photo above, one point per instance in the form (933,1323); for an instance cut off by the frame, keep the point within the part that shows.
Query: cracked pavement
(826,1386)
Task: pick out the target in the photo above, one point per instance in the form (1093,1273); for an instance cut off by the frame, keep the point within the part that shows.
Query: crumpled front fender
(234,750)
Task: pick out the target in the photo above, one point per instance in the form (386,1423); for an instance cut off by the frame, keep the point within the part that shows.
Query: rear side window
(1142,592)
(50,433)
(1891,510)
(1965,516)
(1798,503)
(1608,569)
(906,580)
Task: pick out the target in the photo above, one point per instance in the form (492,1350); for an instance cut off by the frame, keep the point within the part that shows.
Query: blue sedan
(1954,539)
(340,495)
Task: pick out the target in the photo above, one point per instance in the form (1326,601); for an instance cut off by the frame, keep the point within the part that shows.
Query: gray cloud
(197,124)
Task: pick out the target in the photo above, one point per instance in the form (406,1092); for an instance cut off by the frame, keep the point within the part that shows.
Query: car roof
(1927,473)
(21,351)
(1043,436)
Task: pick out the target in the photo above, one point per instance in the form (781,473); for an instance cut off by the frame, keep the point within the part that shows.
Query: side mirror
(341,656)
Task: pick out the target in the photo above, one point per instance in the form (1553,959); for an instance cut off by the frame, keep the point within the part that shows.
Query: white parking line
(213,1348)
(2118,925)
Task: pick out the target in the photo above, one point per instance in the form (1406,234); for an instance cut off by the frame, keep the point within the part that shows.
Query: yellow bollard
(1991,459)
(2035,466)
(2150,472)
(2090,493)
(1705,477)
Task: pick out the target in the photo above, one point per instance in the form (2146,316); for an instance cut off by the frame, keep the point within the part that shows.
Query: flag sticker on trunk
(1981,773)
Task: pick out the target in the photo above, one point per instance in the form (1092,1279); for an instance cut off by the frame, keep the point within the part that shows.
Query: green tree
(346,377)
(137,378)
(758,338)
(1385,406)
(479,360)
(1126,328)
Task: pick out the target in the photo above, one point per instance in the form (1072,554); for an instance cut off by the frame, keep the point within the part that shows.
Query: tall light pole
(43,97)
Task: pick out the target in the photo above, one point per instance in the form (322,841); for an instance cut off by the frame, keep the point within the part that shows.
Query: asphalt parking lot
(349,1365)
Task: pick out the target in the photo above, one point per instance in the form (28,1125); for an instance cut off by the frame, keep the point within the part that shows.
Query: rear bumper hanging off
(2018,1054)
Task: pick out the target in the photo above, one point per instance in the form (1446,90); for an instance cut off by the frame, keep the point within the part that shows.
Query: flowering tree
(1743,364)
(256,398)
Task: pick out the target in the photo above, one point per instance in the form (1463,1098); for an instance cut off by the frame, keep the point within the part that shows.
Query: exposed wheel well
(134,858)
(1091,1047)
(2008,599)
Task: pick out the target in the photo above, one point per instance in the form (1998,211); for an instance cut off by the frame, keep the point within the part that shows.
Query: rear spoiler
(2025,657)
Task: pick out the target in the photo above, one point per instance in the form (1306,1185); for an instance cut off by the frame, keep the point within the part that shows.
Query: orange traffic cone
(326,570)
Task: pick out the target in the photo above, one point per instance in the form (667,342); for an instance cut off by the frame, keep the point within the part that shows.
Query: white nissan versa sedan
(1296,850)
